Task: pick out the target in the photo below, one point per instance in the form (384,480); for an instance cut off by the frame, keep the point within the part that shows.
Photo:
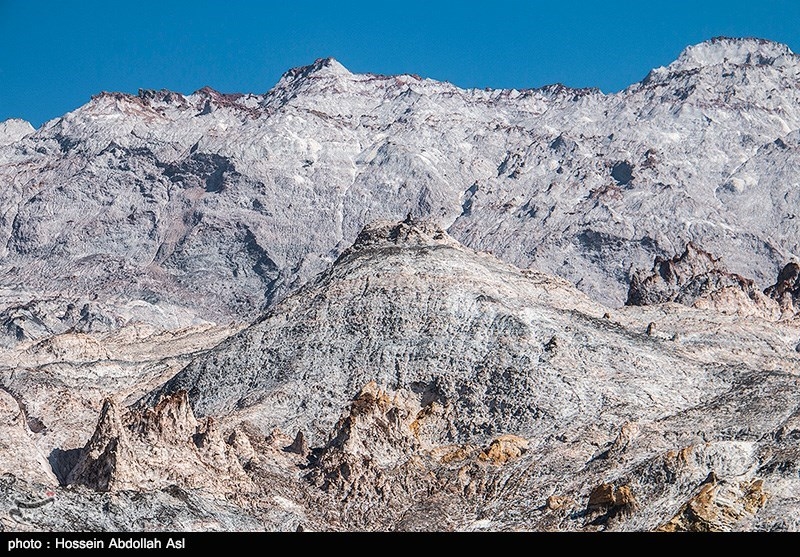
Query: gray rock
(443,389)
(696,278)
(226,203)
(436,387)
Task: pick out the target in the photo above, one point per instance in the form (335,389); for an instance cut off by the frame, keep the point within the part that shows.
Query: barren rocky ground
(363,302)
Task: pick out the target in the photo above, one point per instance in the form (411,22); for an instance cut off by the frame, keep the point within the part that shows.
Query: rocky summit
(365,302)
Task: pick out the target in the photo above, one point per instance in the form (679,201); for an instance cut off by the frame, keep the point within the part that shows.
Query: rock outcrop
(718,507)
(695,278)
(21,456)
(337,306)
(786,291)
(155,448)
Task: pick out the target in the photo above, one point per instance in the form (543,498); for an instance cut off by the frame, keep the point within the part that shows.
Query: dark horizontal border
(224,543)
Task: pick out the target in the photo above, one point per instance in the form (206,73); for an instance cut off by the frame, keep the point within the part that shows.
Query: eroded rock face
(718,507)
(20,456)
(415,384)
(373,461)
(695,278)
(698,279)
(388,465)
(154,448)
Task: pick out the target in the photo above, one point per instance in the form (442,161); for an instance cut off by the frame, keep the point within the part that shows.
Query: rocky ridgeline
(221,204)
(698,279)
(394,262)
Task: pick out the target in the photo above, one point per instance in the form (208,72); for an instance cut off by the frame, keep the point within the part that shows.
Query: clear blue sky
(55,54)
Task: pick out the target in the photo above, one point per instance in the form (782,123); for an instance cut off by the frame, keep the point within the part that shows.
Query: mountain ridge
(417,374)
(384,302)
(179,140)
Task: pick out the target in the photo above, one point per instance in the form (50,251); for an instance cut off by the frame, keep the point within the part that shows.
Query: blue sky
(55,54)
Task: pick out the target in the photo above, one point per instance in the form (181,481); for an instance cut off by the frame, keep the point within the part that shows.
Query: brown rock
(558,502)
(696,278)
(609,498)
(298,446)
(717,506)
(158,447)
(601,497)
(504,448)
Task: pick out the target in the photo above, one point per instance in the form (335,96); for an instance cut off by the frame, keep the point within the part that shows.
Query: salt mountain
(426,381)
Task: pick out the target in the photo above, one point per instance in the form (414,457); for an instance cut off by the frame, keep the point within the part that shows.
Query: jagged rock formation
(160,252)
(155,448)
(786,291)
(58,385)
(222,204)
(373,460)
(696,278)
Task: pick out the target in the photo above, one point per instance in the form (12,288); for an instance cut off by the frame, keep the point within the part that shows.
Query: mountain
(221,204)
(13,130)
(365,302)
(419,385)
(537,394)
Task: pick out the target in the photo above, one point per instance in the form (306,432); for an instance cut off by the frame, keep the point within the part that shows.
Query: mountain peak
(13,130)
(411,232)
(740,51)
(322,67)
(330,64)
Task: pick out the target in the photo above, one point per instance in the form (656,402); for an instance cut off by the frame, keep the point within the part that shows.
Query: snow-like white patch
(13,130)
(286,504)
(482,524)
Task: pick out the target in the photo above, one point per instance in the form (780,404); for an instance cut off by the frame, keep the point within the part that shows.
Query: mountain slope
(222,204)
(460,371)
(212,312)
(407,307)
(419,385)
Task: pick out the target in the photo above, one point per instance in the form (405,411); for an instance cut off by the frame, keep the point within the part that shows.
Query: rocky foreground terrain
(364,302)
